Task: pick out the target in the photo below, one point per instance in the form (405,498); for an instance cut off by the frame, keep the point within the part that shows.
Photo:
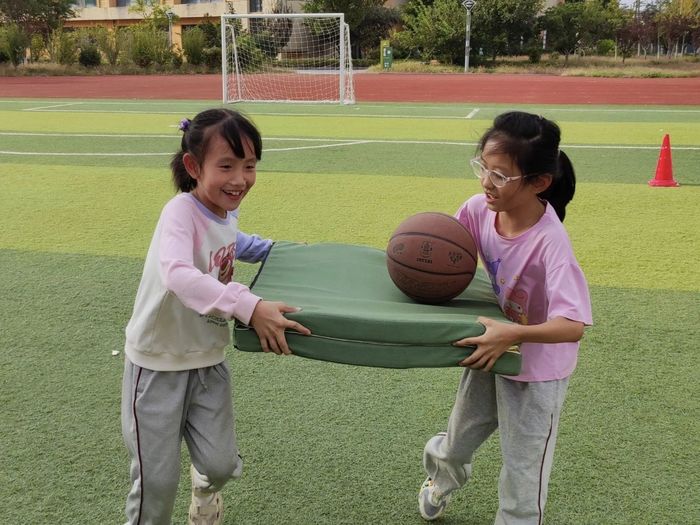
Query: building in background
(115,13)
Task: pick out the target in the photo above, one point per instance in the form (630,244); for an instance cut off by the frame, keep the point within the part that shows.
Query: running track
(382,87)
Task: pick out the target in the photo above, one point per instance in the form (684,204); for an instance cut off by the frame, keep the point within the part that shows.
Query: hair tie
(184,124)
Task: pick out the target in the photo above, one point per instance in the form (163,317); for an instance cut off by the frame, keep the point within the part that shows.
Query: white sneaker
(206,508)
(431,503)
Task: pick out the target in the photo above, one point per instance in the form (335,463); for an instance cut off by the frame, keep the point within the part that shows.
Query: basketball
(431,257)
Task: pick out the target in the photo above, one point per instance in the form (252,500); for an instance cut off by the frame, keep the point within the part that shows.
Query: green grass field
(84,183)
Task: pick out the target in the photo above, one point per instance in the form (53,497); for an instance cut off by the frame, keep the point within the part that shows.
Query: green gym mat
(357,315)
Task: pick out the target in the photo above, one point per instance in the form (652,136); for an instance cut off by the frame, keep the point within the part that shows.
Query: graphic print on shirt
(223,259)
(514,307)
(492,268)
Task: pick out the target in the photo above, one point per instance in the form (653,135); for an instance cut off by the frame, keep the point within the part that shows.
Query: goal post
(286,57)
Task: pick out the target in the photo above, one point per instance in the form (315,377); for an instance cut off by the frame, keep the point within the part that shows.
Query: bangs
(504,144)
(235,131)
(521,151)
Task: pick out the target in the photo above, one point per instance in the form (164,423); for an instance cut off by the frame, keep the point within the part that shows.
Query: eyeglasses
(496,177)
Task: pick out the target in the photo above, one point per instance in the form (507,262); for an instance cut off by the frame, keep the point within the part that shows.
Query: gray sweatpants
(159,409)
(527,417)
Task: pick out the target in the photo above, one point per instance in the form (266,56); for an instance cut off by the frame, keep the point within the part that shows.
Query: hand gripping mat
(357,315)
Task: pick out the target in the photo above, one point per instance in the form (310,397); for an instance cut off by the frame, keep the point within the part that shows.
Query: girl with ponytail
(177,383)
(516,221)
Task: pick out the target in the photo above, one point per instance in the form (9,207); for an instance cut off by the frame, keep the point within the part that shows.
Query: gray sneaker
(431,503)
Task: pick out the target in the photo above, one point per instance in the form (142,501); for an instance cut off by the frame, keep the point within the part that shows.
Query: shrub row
(142,45)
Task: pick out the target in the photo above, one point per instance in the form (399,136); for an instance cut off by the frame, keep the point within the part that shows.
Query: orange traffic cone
(664,167)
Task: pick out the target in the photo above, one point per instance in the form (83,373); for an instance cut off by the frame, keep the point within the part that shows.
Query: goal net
(290,57)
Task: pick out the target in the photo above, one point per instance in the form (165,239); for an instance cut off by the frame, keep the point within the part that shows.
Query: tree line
(436,29)
(425,30)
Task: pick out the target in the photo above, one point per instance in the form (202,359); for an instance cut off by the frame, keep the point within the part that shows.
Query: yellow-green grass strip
(69,122)
(624,235)
(355,128)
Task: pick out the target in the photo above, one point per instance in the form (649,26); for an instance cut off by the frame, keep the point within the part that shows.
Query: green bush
(212,33)
(36,47)
(149,46)
(212,58)
(14,43)
(246,47)
(142,47)
(111,42)
(63,47)
(534,52)
(266,42)
(176,60)
(162,50)
(193,44)
(401,47)
(364,62)
(90,56)
(605,47)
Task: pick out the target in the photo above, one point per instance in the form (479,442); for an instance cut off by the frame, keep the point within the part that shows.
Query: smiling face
(515,194)
(222,179)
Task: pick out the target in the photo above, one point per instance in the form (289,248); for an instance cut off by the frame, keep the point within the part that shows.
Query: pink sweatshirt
(187,294)
(536,278)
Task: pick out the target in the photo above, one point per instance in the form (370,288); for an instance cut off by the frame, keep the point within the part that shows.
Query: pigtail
(563,186)
(181,179)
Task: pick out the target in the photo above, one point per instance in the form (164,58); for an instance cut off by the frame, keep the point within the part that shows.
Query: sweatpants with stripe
(527,418)
(159,410)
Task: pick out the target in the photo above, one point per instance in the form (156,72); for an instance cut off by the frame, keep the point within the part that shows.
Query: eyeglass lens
(497,179)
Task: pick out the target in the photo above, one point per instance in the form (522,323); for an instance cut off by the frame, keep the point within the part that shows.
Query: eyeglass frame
(476,162)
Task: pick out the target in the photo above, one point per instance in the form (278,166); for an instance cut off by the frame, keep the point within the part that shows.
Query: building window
(85,3)
(123,3)
(255,6)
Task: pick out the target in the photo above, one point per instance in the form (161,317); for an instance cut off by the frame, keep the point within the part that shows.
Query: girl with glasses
(516,221)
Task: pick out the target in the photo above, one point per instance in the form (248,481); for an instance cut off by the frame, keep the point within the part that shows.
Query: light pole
(170,14)
(468,5)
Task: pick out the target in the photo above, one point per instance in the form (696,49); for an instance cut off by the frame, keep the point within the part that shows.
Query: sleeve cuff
(245,307)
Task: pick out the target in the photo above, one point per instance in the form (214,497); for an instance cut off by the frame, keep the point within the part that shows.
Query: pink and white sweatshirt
(187,294)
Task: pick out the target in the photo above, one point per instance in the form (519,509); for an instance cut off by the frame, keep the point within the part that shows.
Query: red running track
(382,87)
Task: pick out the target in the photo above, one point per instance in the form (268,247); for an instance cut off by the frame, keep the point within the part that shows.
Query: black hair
(532,142)
(231,125)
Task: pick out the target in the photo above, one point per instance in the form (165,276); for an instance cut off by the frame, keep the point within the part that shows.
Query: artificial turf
(327,443)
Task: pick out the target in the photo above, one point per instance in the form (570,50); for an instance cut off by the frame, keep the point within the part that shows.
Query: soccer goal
(290,57)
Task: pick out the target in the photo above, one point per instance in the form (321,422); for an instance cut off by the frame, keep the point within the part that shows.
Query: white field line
(325,143)
(268,114)
(90,135)
(433,116)
(63,154)
(504,107)
(45,108)
(254,109)
(320,146)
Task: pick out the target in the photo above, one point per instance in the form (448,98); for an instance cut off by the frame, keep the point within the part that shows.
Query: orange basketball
(431,257)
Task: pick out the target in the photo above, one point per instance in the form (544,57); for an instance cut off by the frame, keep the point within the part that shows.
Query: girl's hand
(491,345)
(269,323)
